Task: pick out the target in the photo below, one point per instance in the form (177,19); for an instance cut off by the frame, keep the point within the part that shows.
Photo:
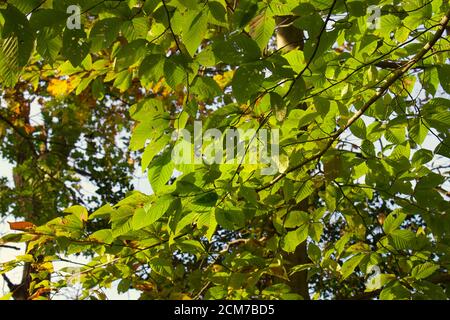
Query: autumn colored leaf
(39,293)
(21,225)
(29,128)
(224,79)
(60,88)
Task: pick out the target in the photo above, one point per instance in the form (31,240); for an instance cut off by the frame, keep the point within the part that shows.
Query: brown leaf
(28,128)
(21,226)
(39,292)
(381,217)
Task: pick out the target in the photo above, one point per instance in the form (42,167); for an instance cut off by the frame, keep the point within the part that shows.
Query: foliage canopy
(358,189)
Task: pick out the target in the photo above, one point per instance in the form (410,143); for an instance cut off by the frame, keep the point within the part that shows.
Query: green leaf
(418,131)
(424,270)
(78,211)
(262,29)
(9,66)
(388,23)
(393,221)
(191,108)
(218,12)
(249,194)
(402,239)
(152,149)
(236,50)
(349,266)
(421,157)
(17,25)
(295,219)
(140,219)
(396,291)
(160,170)
(444,76)
(314,253)
(194,28)
(216,293)
(16,46)
(24,6)
(162,266)
(123,81)
(301,267)
(16,237)
(120,229)
(44,18)
(102,212)
(7,296)
(49,43)
(205,88)
(25,258)
(150,6)
(245,11)
(141,133)
(278,106)
(310,20)
(135,28)
(104,236)
(315,231)
(247,81)
(304,190)
(151,69)
(104,32)
(98,89)
(428,291)
(124,285)
(134,199)
(212,225)
(418,12)
(49,24)
(327,40)
(358,128)
(444,148)
(294,238)
(145,217)
(131,54)
(75,46)
(174,73)
(395,134)
(231,219)
(207,200)
(340,244)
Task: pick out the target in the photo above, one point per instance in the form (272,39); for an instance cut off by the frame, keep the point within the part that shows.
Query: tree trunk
(289,38)
(29,206)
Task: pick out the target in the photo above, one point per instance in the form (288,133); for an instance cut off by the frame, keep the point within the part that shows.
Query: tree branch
(9,247)
(170,25)
(20,133)
(397,74)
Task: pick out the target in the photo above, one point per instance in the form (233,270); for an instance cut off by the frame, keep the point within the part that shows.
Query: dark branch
(9,247)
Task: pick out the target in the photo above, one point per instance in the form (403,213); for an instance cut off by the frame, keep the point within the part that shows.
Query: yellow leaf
(8,296)
(223,79)
(46,266)
(60,88)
